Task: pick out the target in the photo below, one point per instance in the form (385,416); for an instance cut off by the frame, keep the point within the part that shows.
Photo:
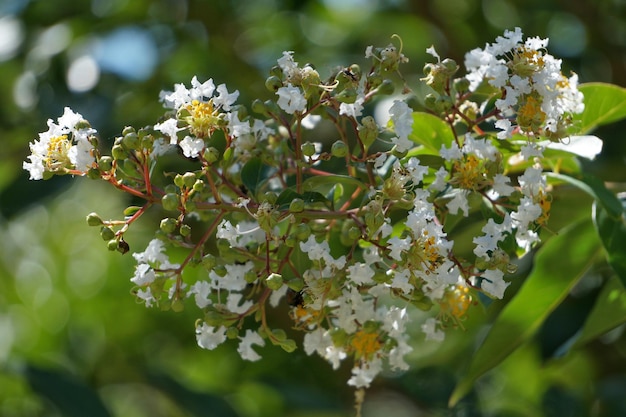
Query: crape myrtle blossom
(64,147)
(535,94)
(263,217)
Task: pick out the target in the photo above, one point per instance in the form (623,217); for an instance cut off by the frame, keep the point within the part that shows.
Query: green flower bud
(368,131)
(189,178)
(211,155)
(296,205)
(147,142)
(168,225)
(170,202)
(105,163)
(430,101)
(461,85)
(178,180)
(450,66)
(118,152)
(220,270)
(274,281)
(291,240)
(308,149)
(273,83)
(198,186)
(94,220)
(131,141)
(127,130)
(259,108)
(276,71)
(112,245)
(185,230)
(250,277)
(232,333)
(107,233)
(209,261)
(339,149)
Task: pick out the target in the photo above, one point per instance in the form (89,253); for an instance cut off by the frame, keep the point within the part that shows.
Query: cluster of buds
(351,234)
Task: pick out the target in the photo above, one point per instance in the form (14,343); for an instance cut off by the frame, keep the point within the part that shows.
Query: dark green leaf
(71,396)
(253,174)
(612,231)
(608,312)
(595,188)
(559,264)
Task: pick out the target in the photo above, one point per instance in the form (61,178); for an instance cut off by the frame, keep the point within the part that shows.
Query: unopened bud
(170,202)
(339,149)
(274,281)
(93,219)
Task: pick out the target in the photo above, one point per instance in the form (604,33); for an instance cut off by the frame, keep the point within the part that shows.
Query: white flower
(459,202)
(362,376)
(209,337)
(402,117)
(310,121)
(199,90)
(360,273)
(170,128)
(291,99)
(430,328)
(500,185)
(224,99)
(453,152)
(355,109)
(245,346)
(493,283)
(202,291)
(192,147)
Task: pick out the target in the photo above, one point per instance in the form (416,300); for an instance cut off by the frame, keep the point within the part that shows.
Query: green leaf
(431,132)
(253,174)
(604,103)
(71,396)
(612,231)
(309,197)
(608,312)
(559,264)
(596,189)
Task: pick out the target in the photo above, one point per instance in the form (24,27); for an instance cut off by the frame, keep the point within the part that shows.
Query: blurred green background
(73,342)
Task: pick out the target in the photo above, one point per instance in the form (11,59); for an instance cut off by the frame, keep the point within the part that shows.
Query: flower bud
(105,163)
(94,220)
(348,96)
(296,205)
(112,245)
(131,141)
(232,333)
(177,305)
(250,276)
(178,180)
(303,231)
(170,202)
(259,107)
(189,178)
(339,149)
(308,149)
(118,152)
(107,233)
(168,225)
(270,197)
(127,130)
(209,261)
(273,83)
(274,281)
(185,230)
(211,155)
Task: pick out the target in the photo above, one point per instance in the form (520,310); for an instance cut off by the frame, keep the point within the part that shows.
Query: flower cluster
(66,147)
(351,252)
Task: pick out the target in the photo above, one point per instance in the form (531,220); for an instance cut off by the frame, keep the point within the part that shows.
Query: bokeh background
(73,342)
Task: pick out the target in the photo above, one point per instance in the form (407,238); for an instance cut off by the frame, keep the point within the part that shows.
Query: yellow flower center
(530,117)
(203,119)
(365,344)
(545,202)
(468,173)
(58,152)
(527,61)
(424,254)
(456,301)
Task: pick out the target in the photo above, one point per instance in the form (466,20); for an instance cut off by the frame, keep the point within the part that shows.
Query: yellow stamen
(365,344)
